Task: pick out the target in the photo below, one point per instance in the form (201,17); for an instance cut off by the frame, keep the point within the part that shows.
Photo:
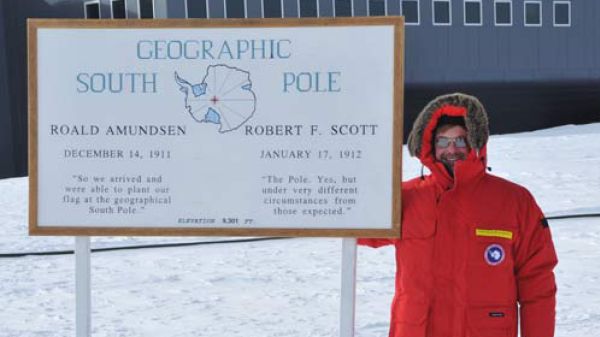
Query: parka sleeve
(375,243)
(535,261)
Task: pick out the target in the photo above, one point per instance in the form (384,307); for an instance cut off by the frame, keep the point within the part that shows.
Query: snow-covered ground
(288,287)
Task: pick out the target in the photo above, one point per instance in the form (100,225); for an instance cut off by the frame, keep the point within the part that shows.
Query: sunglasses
(444,142)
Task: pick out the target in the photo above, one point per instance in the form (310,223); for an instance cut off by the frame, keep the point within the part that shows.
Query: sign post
(83,287)
(347,303)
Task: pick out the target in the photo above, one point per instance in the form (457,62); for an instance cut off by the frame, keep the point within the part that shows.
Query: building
(534,63)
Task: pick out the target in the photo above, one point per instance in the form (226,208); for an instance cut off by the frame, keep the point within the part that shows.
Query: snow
(288,287)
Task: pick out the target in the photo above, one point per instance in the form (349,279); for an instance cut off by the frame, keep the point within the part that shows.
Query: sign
(220,127)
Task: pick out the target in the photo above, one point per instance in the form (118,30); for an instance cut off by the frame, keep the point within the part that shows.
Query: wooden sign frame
(34,25)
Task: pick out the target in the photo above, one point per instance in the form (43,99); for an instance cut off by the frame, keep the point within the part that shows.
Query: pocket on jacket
(492,245)
(490,266)
(492,321)
(423,229)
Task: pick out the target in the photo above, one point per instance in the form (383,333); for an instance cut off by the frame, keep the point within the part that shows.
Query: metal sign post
(83,289)
(348,287)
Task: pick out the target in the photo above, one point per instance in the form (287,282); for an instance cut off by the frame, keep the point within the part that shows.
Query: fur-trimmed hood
(420,139)
(456,104)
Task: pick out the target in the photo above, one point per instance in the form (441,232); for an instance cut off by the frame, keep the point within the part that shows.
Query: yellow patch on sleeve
(494,233)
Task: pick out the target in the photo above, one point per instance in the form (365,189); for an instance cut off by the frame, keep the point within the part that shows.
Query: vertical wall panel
(147,9)
(360,7)
(393,7)
(523,45)
(325,8)
(16,74)
(308,8)
(117,9)
(160,9)
(425,13)
(343,8)
(235,9)
(104,6)
(553,44)
(131,6)
(254,8)
(7,160)
(290,8)
(176,9)
(376,7)
(488,46)
(197,9)
(272,8)
(216,9)
(93,10)
(463,47)
(580,31)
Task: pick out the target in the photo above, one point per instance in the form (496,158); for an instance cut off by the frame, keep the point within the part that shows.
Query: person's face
(451,145)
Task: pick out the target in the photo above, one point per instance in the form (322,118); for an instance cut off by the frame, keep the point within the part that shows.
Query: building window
(442,14)
(196,9)
(562,13)
(342,8)
(308,8)
(235,9)
(533,13)
(503,12)
(146,9)
(473,13)
(410,10)
(117,9)
(377,8)
(271,8)
(92,9)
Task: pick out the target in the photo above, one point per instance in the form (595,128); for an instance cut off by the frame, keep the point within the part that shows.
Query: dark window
(441,12)
(562,13)
(118,9)
(533,13)
(308,8)
(235,8)
(503,13)
(146,9)
(410,10)
(472,13)
(272,8)
(343,8)
(196,9)
(376,7)
(92,10)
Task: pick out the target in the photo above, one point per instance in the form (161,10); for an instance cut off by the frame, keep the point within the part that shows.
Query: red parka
(475,251)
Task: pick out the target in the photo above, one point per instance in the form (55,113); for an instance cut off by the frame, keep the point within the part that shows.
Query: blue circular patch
(494,254)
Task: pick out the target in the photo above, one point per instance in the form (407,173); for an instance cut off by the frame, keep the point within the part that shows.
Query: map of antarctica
(224,97)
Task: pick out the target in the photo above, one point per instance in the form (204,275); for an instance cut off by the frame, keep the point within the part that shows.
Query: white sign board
(182,127)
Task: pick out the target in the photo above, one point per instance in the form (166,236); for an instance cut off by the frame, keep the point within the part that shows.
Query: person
(475,251)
